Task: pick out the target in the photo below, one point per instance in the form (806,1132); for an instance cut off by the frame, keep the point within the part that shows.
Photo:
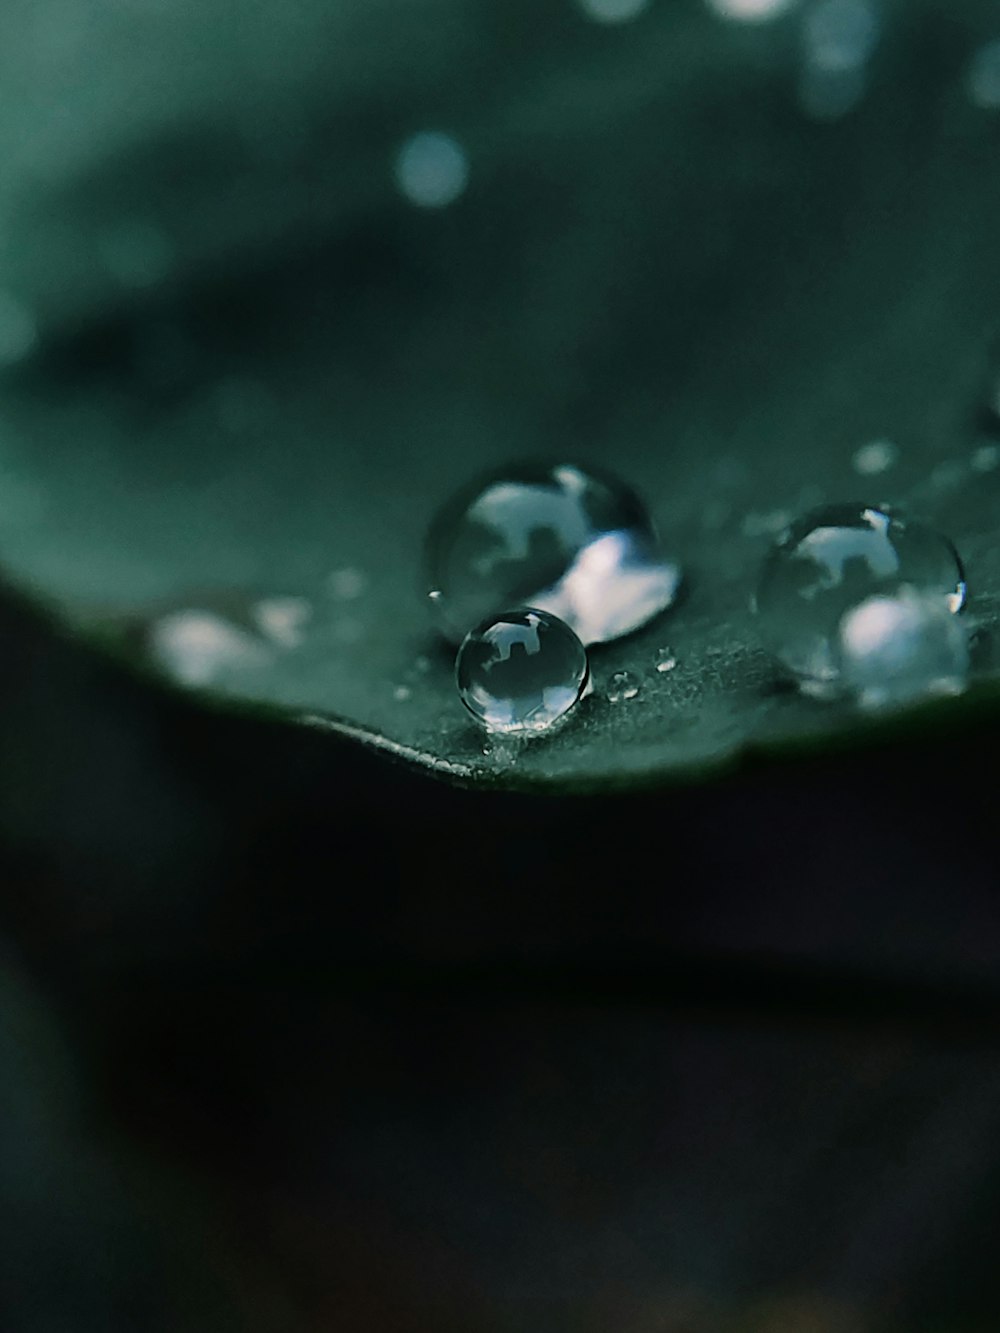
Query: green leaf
(260,366)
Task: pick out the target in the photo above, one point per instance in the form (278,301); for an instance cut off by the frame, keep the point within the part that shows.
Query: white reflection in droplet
(750,11)
(982,82)
(610,588)
(613,11)
(871,459)
(196,647)
(18,330)
(283,619)
(136,253)
(432,169)
(900,648)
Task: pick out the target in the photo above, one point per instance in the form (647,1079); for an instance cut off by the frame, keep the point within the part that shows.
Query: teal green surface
(259,364)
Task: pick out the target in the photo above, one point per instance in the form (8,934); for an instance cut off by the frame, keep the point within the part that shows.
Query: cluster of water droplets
(854,601)
(542,563)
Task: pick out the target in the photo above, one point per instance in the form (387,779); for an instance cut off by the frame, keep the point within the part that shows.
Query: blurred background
(292,1038)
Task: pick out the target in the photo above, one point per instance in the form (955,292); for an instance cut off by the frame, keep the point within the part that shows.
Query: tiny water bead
(830,561)
(520,672)
(622,687)
(665,660)
(893,650)
(578,544)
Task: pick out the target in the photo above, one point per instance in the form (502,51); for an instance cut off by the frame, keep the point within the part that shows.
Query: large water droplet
(520,672)
(893,650)
(577,544)
(830,561)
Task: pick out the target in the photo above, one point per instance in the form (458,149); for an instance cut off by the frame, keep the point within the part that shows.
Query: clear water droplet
(521,672)
(893,650)
(665,660)
(622,687)
(572,542)
(830,561)
(402,693)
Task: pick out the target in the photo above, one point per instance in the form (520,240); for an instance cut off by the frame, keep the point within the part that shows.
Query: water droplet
(432,169)
(982,82)
(871,459)
(892,650)
(613,11)
(347,585)
(197,647)
(282,619)
(521,672)
(665,660)
(830,561)
(577,544)
(622,687)
(402,693)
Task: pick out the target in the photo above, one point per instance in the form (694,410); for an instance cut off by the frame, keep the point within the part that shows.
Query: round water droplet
(830,561)
(572,542)
(893,650)
(622,687)
(665,660)
(521,671)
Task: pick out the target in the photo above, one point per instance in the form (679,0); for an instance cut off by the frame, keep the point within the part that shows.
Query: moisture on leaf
(254,341)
